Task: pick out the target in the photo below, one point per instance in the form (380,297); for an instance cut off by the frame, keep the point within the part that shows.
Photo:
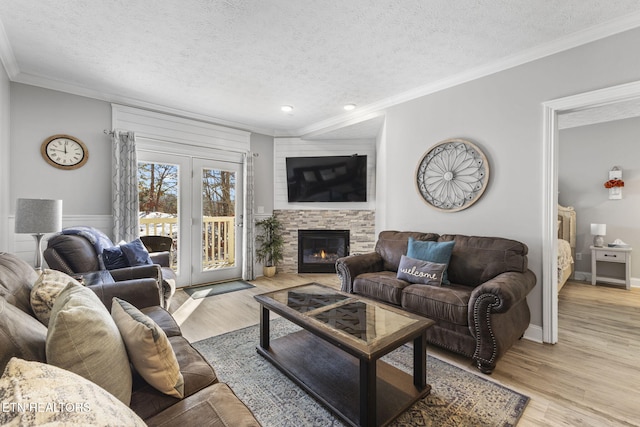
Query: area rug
(458,397)
(197,292)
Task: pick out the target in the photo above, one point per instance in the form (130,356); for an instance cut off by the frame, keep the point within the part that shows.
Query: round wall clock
(64,152)
(452,175)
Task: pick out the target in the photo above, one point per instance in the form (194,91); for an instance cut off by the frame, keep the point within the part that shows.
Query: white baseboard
(585,276)
(533,333)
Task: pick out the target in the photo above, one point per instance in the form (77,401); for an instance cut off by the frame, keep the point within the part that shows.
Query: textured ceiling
(238,61)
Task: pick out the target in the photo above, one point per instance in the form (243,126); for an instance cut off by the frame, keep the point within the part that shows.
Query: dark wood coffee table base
(333,377)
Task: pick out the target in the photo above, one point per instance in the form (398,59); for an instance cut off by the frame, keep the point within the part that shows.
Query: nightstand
(616,255)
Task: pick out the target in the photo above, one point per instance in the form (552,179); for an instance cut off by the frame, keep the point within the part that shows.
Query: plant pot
(269,271)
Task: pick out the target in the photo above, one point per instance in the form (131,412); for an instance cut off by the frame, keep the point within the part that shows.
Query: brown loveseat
(480,314)
(206,401)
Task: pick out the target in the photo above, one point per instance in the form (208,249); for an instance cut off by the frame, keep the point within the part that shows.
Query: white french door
(198,202)
(217,221)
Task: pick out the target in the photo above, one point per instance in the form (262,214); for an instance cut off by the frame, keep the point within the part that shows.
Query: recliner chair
(160,249)
(76,254)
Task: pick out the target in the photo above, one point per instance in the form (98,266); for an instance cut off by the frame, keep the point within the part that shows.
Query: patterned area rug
(458,398)
(197,292)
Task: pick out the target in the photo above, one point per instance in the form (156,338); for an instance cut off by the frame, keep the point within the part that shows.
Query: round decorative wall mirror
(452,175)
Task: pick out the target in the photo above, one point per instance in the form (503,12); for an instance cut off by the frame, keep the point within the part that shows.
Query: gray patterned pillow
(83,338)
(46,290)
(35,393)
(424,272)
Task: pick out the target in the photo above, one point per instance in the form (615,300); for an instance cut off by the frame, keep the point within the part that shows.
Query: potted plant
(270,244)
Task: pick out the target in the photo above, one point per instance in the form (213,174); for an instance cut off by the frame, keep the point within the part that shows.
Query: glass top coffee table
(334,357)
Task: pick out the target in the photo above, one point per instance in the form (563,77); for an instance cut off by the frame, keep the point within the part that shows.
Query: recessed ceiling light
(287,108)
(349,107)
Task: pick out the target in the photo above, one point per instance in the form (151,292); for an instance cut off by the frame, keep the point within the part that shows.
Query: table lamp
(38,217)
(598,231)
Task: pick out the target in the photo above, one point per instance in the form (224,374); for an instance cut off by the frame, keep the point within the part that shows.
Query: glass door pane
(218,218)
(158,197)
(218,233)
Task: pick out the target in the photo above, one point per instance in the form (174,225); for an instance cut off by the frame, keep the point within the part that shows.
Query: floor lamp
(38,217)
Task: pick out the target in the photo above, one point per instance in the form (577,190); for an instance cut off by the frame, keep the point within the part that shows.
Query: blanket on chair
(97,238)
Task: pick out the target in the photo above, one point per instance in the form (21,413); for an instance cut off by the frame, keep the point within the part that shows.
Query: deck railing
(218,237)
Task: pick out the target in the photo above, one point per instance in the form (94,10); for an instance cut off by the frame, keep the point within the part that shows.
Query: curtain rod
(109,132)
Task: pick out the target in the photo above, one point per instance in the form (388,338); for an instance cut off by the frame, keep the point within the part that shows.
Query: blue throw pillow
(136,253)
(417,271)
(438,252)
(114,258)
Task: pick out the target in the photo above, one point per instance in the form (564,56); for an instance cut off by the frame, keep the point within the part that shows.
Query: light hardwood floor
(590,378)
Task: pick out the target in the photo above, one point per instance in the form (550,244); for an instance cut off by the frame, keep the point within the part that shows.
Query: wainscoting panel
(24,245)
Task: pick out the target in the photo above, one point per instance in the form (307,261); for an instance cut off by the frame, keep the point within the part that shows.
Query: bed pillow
(136,253)
(417,271)
(62,398)
(438,252)
(114,258)
(46,290)
(83,338)
(149,349)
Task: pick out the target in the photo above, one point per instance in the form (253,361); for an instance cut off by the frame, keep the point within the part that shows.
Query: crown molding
(570,41)
(7,57)
(47,83)
(349,122)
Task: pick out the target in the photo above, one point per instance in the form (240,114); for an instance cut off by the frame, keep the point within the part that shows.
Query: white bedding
(564,254)
(565,262)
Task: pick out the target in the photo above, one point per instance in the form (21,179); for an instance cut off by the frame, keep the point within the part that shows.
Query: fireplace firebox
(318,250)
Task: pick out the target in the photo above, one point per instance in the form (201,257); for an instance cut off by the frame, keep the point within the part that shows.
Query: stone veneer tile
(360,223)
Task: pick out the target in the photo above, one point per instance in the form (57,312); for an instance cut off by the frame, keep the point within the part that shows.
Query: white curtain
(125,187)
(248,222)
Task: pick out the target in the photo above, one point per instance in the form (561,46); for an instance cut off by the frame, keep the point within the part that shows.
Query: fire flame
(323,255)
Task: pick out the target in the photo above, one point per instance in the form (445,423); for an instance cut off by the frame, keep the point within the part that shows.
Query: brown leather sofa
(74,254)
(206,401)
(480,314)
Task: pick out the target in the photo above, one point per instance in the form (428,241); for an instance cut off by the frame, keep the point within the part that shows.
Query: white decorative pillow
(46,290)
(83,338)
(149,349)
(35,393)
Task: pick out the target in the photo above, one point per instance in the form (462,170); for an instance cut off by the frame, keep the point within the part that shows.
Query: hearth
(318,250)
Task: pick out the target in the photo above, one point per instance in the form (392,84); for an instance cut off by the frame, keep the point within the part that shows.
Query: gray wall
(502,113)
(38,113)
(5,149)
(587,153)
(262,145)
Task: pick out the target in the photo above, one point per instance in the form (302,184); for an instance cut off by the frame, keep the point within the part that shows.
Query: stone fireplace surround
(361,224)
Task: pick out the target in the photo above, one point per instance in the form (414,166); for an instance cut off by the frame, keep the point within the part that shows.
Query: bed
(566,244)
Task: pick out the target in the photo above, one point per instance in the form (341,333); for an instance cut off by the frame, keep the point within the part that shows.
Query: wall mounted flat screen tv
(327,179)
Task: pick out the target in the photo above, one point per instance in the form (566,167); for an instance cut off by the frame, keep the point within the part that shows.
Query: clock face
(64,152)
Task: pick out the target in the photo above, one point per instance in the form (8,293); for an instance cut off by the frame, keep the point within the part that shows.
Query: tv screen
(327,179)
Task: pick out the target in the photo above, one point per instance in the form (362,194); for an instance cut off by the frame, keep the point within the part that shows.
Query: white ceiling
(235,62)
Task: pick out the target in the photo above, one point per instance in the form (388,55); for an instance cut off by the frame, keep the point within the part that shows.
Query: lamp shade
(35,216)
(598,229)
